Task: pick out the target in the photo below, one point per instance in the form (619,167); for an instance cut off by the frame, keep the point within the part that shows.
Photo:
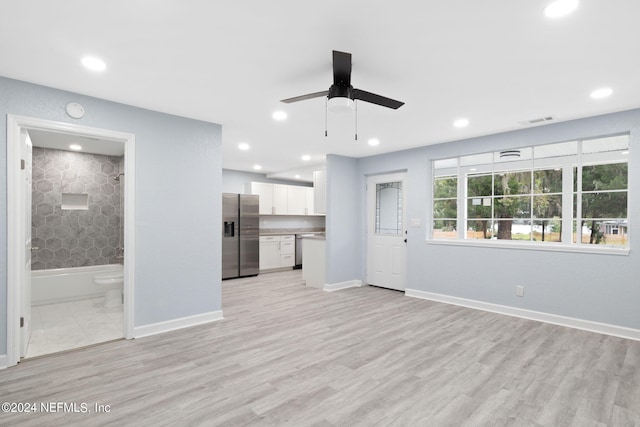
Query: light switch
(415,222)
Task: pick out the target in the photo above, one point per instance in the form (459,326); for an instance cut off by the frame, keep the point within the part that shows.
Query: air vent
(536,121)
(509,154)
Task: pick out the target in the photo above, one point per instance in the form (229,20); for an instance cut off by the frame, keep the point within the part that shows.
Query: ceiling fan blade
(307,96)
(363,95)
(341,68)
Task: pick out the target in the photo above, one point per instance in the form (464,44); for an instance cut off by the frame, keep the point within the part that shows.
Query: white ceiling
(495,62)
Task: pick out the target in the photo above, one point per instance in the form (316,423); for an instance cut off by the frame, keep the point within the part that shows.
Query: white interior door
(386,231)
(25,197)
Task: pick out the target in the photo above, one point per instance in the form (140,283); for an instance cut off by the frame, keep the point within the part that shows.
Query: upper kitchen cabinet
(310,195)
(265,191)
(279,199)
(297,200)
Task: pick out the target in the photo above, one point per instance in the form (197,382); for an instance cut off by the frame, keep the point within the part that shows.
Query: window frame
(566,163)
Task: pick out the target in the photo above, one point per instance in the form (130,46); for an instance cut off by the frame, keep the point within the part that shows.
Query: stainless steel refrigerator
(240,235)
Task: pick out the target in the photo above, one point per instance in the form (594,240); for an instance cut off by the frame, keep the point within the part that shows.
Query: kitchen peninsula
(313,260)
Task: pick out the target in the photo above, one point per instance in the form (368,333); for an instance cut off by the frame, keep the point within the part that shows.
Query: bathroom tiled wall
(75,238)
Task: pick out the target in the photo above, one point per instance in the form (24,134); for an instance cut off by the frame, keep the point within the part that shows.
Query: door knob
(405,240)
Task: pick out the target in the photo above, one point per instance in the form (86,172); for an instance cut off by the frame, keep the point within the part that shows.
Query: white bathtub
(68,284)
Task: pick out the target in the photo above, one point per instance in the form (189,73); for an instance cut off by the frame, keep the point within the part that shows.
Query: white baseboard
(570,322)
(342,285)
(3,361)
(172,325)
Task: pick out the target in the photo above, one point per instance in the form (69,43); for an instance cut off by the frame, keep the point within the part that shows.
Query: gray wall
(240,182)
(75,238)
(178,162)
(600,288)
(344,251)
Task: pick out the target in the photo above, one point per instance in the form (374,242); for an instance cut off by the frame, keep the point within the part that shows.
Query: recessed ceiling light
(93,63)
(279,115)
(560,8)
(75,147)
(601,93)
(243,146)
(625,153)
(373,142)
(306,157)
(257,167)
(297,176)
(461,123)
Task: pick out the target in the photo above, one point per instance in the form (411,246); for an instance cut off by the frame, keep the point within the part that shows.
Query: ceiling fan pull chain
(355,102)
(326,99)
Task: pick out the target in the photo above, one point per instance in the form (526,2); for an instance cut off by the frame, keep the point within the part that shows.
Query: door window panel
(389,208)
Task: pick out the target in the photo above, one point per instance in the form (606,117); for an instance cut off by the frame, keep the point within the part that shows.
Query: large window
(571,192)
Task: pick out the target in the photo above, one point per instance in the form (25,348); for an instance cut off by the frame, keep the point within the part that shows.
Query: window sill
(548,247)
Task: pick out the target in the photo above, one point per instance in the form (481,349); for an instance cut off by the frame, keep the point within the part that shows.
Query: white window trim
(531,246)
(567,163)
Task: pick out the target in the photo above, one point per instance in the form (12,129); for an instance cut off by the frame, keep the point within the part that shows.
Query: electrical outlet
(519,291)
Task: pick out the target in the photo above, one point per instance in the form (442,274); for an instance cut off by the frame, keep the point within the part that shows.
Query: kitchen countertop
(288,231)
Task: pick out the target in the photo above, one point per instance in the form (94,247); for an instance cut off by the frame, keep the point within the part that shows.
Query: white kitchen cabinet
(287,245)
(273,198)
(265,193)
(297,200)
(277,252)
(320,191)
(269,252)
(280,199)
(287,260)
(287,250)
(310,194)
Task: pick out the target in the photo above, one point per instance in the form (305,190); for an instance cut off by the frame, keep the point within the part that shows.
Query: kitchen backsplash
(268,222)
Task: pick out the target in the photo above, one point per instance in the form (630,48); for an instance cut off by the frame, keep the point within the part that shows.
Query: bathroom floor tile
(64,326)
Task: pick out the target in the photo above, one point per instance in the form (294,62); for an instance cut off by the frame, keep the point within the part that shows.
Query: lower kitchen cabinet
(269,253)
(277,252)
(287,250)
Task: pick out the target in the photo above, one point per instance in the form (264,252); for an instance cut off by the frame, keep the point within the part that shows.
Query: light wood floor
(290,355)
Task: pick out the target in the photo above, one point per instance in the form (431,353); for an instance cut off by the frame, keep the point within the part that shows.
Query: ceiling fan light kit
(340,105)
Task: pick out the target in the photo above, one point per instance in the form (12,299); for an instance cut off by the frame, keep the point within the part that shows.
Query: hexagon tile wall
(75,238)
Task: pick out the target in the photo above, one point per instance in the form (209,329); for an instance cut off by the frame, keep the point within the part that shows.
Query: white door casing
(17,212)
(25,231)
(386,231)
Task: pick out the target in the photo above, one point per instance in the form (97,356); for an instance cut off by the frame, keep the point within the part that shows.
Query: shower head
(117,177)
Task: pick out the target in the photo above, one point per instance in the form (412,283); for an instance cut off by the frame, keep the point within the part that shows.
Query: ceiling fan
(341,94)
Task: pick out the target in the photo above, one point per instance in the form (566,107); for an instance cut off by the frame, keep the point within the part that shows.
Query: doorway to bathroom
(70,221)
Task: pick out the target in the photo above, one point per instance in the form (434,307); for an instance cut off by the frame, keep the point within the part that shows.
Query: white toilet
(114,285)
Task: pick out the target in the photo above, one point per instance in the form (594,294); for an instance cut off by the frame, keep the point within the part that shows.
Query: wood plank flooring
(286,354)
